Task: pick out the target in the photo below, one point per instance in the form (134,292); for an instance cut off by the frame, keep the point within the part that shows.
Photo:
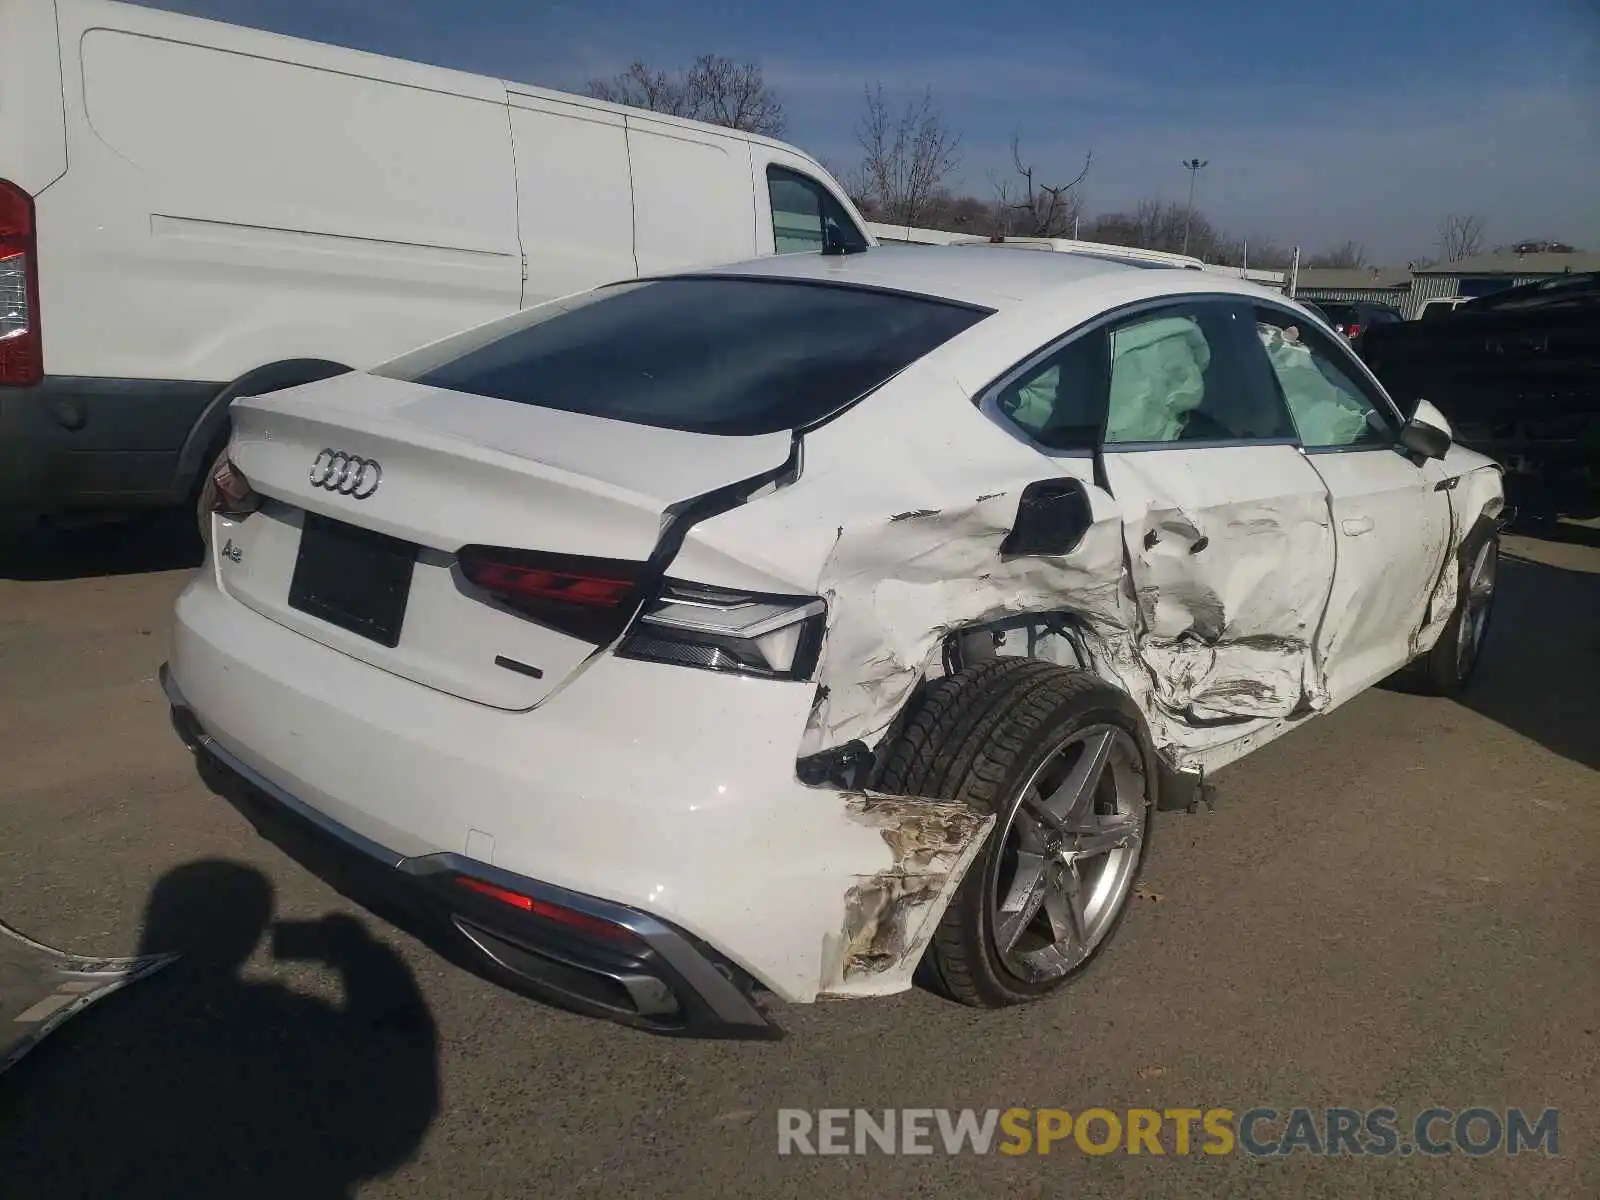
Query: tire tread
(965,739)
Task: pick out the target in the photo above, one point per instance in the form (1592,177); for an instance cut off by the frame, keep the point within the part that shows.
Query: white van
(191,211)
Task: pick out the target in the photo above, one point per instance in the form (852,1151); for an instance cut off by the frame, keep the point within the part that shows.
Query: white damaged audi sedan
(792,627)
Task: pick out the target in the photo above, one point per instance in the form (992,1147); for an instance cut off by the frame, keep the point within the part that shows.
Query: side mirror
(1427,433)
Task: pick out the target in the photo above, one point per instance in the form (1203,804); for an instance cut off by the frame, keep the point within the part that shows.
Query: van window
(706,354)
(802,209)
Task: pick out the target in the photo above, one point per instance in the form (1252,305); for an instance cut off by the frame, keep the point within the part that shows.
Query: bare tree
(1157,224)
(715,89)
(735,94)
(1460,236)
(854,183)
(905,157)
(1259,251)
(1029,207)
(641,86)
(1351,255)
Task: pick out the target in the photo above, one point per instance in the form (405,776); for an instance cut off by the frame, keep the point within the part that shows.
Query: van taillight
(588,598)
(21,347)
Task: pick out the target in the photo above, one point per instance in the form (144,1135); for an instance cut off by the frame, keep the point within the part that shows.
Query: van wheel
(1063,761)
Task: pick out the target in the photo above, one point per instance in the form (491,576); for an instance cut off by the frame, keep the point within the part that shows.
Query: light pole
(1193,166)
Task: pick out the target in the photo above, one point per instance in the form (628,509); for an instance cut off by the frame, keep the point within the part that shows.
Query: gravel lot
(1394,906)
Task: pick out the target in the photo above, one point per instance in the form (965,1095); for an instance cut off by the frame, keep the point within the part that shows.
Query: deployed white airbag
(1324,413)
(1157,379)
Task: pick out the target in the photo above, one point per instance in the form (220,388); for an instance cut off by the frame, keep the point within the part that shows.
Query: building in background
(1485,273)
(1376,285)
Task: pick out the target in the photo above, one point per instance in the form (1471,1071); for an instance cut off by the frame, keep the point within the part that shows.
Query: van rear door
(33,129)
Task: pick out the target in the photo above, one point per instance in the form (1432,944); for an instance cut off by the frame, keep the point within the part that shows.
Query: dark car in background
(1352,318)
(1518,375)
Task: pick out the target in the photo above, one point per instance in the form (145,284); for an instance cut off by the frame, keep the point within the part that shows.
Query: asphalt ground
(1395,906)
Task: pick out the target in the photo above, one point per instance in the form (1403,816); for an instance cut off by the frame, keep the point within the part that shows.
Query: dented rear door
(1226,524)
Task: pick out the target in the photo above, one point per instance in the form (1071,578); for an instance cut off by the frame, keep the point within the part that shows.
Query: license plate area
(353,578)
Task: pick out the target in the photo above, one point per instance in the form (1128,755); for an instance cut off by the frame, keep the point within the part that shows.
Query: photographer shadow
(202,1083)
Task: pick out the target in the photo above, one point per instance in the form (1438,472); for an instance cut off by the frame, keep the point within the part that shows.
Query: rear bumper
(663,790)
(647,974)
(74,442)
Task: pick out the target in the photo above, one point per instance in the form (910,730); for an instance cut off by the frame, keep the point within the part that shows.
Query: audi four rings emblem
(347,474)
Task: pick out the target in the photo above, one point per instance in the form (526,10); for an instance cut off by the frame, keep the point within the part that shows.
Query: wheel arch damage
(902,593)
(1477,503)
(890,915)
(909,556)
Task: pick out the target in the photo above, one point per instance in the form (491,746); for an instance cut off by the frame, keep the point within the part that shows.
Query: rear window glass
(723,355)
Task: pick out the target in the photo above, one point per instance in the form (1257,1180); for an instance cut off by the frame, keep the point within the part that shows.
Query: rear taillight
(682,624)
(1355,331)
(232,496)
(21,346)
(588,598)
(741,633)
(558,914)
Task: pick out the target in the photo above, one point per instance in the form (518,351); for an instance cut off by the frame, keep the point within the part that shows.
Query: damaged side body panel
(1477,495)
(1231,558)
(1206,650)
(1199,587)
(890,916)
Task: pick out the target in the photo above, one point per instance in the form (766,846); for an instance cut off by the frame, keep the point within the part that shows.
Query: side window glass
(1190,373)
(1060,402)
(802,211)
(1331,410)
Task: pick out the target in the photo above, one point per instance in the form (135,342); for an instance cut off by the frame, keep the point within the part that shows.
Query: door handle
(1355,526)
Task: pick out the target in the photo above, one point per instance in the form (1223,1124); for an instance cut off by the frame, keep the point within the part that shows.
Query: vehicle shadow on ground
(198,1082)
(1540,670)
(166,542)
(362,881)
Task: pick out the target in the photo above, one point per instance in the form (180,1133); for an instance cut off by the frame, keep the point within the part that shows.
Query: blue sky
(1363,119)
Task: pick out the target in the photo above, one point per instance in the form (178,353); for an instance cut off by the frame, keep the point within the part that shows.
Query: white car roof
(997,280)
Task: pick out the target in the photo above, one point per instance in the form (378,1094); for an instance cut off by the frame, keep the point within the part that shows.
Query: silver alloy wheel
(1069,851)
(1475,606)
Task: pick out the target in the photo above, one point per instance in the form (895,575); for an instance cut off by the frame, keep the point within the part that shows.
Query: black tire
(978,736)
(1448,668)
